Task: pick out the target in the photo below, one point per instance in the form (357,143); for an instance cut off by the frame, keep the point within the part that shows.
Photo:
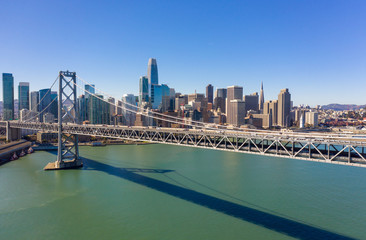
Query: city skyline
(153,61)
(312,49)
(192,119)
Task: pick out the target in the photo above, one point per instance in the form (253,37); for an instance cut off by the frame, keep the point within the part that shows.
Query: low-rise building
(262,120)
(311,119)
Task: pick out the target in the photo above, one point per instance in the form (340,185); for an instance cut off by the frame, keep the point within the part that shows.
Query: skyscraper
(23,96)
(8,96)
(119,107)
(143,90)
(197,97)
(54,104)
(112,108)
(251,102)
(236,112)
(172,99)
(165,103)
(45,100)
(209,93)
(261,99)
(221,92)
(180,101)
(234,93)
(89,88)
(98,110)
(85,105)
(284,107)
(152,76)
(82,103)
(152,71)
(129,102)
(220,99)
(271,108)
(34,100)
(158,92)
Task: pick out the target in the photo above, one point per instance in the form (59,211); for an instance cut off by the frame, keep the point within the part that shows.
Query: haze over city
(314,48)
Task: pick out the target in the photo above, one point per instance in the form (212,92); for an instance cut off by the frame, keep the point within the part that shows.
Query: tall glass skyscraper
(165,90)
(156,96)
(82,102)
(128,102)
(99,111)
(144,90)
(89,88)
(8,96)
(152,71)
(54,104)
(23,95)
(152,76)
(45,102)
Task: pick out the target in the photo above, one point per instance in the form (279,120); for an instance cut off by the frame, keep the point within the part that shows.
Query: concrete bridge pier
(74,163)
(12,134)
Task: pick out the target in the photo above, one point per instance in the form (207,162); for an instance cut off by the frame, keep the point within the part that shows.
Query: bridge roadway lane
(337,138)
(339,148)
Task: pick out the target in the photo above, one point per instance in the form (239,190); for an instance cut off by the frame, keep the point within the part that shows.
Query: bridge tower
(68,148)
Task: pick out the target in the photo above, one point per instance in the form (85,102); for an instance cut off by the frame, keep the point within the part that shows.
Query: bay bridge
(346,149)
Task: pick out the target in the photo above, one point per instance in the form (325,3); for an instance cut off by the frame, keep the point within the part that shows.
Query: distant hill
(342,107)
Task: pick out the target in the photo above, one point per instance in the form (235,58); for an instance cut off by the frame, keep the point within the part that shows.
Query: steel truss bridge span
(332,148)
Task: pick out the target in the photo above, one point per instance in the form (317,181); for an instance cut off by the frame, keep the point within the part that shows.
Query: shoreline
(53,147)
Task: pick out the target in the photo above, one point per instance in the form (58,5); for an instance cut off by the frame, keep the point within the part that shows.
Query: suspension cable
(41,111)
(184,121)
(205,125)
(156,113)
(142,113)
(42,98)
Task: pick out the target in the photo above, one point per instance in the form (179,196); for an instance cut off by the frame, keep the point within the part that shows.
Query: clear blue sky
(315,48)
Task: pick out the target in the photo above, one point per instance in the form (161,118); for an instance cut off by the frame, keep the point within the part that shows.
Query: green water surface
(170,192)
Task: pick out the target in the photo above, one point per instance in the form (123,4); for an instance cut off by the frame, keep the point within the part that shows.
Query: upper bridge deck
(340,148)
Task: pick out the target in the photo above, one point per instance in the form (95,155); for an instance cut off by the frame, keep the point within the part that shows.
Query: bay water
(171,192)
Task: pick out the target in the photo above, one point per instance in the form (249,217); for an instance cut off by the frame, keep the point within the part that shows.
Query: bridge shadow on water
(270,221)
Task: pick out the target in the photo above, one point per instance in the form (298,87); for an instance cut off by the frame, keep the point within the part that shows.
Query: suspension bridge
(346,149)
